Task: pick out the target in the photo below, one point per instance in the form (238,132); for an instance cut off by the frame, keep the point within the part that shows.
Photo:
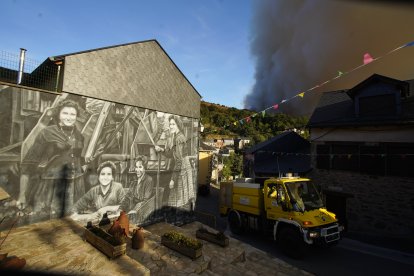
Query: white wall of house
(397,134)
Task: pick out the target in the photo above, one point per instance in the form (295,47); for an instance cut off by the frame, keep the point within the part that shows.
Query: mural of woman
(141,190)
(104,197)
(181,184)
(51,172)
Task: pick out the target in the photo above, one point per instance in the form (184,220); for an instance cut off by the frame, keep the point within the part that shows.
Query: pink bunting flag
(368,58)
(276,106)
(248,119)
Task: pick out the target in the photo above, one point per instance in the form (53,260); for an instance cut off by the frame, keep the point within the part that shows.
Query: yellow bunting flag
(301,94)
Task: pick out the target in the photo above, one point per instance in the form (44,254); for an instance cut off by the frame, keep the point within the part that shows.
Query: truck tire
(291,242)
(235,222)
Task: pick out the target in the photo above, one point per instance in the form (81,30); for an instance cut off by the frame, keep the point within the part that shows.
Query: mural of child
(104,197)
(51,172)
(141,190)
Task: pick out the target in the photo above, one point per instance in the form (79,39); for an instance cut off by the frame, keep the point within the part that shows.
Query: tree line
(218,123)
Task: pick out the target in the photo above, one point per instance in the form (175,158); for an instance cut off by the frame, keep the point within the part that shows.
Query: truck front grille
(331,233)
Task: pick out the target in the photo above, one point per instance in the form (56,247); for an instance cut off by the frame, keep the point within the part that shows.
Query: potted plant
(111,245)
(185,245)
(217,238)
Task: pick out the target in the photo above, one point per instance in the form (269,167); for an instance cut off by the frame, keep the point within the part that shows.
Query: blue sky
(208,40)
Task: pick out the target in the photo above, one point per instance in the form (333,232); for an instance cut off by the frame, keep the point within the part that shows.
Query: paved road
(350,257)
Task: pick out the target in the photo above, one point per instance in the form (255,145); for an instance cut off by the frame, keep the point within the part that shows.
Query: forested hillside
(218,122)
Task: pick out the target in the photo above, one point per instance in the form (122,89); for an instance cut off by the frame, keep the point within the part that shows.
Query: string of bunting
(367,59)
(347,155)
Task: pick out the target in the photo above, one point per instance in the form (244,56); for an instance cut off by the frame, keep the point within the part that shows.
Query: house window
(372,159)
(345,157)
(322,157)
(400,160)
(381,105)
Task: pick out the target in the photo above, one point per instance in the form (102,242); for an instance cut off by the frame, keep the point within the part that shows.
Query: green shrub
(181,239)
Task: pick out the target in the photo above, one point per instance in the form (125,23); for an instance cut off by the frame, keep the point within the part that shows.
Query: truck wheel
(235,222)
(291,242)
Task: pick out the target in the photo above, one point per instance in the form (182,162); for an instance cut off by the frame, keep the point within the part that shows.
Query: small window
(322,157)
(381,105)
(345,157)
(372,159)
(400,160)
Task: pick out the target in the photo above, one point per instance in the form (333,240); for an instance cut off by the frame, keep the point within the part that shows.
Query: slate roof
(205,147)
(285,142)
(286,152)
(336,108)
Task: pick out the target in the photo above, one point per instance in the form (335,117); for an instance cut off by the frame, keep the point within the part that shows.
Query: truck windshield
(305,195)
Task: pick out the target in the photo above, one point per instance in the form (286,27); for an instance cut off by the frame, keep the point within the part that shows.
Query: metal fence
(16,68)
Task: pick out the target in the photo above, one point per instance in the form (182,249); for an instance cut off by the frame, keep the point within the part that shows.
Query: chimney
(21,65)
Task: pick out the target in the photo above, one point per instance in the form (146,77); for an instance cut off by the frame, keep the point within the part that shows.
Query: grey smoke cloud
(298,44)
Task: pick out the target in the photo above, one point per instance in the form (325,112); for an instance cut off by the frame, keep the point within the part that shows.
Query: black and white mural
(69,155)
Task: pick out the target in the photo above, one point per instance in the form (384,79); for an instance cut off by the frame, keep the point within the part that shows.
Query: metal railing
(19,69)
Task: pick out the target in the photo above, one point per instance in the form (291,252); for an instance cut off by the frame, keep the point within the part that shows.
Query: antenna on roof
(277,161)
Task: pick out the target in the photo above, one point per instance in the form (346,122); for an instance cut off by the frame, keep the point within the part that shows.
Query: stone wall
(380,206)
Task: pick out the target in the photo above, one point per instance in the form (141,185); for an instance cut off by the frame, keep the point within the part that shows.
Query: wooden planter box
(112,251)
(211,237)
(181,248)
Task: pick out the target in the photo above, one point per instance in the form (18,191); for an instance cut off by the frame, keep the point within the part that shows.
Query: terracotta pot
(115,228)
(124,222)
(12,263)
(3,256)
(137,240)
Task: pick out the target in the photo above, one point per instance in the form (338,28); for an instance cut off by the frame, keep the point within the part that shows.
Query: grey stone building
(99,131)
(363,156)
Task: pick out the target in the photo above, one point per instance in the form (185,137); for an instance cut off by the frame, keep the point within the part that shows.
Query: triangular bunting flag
(368,58)
(241,122)
(254,115)
(263,113)
(248,119)
(301,94)
(283,101)
(235,123)
(340,73)
(276,106)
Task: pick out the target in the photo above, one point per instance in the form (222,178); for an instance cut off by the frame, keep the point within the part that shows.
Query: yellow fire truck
(290,208)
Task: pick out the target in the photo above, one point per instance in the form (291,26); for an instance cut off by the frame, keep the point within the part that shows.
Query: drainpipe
(21,65)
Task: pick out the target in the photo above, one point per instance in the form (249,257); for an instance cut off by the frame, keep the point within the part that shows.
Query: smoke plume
(299,44)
